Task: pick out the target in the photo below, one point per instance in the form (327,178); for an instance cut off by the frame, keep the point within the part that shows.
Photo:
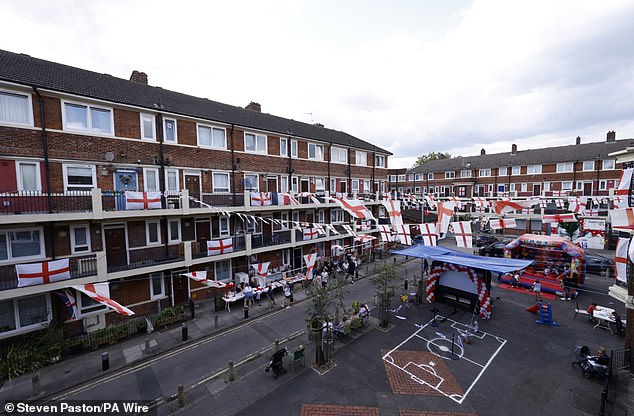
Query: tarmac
(518,367)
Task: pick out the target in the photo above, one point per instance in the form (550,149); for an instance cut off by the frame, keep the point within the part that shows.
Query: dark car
(597,264)
(485,239)
(493,250)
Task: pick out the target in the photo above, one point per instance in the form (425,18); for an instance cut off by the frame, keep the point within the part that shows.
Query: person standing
(271,296)
(324,278)
(537,289)
(287,295)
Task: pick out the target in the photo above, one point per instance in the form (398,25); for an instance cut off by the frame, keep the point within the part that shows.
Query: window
(320,184)
(392,178)
(355,185)
(148,127)
(430,176)
(284,220)
(284,183)
(465,173)
(608,164)
(333,185)
(484,173)
(28,176)
(564,167)
(515,170)
(294,184)
(418,177)
(79,238)
(170,134)
(566,186)
(366,186)
(534,169)
(603,185)
(24,313)
(379,161)
(15,108)
(410,177)
(450,175)
(315,151)
(223,226)
(157,286)
(336,215)
(401,178)
(512,187)
(417,190)
(220,182)
(283,146)
(21,244)
(255,143)
(150,179)
(295,216)
(171,181)
(209,136)
(152,233)
(546,186)
(338,155)
(87,118)
(321,216)
(502,172)
(293,148)
(588,165)
(524,187)
(251,182)
(79,177)
(579,185)
(222,270)
(173,231)
(89,306)
(361,158)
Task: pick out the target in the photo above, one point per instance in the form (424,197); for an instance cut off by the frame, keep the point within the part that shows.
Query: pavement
(518,367)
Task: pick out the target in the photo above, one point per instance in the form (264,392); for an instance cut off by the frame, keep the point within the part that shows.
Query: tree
(385,281)
(431,156)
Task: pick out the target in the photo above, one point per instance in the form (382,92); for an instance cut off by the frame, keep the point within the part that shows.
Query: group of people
(360,313)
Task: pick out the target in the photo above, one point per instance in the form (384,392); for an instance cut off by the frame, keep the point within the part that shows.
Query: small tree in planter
(385,281)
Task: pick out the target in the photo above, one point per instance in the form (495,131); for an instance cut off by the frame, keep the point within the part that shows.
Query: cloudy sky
(411,76)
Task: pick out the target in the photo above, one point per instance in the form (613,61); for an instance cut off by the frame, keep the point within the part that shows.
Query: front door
(305,185)
(271,184)
(342,187)
(203,234)
(298,260)
(180,285)
(267,228)
(116,251)
(587,188)
(124,180)
(537,189)
(192,184)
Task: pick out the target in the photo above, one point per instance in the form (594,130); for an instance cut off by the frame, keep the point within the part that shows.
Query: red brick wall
(52,114)
(127,123)
(186,131)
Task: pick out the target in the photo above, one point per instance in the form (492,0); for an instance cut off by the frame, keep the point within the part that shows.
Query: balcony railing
(144,257)
(36,202)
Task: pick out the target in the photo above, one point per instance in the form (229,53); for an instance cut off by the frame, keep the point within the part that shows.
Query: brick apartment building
(73,142)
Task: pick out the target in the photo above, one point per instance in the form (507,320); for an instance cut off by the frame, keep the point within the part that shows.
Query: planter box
(163,322)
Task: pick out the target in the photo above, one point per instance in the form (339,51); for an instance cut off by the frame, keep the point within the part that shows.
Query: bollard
(405,284)
(147,345)
(231,376)
(184,332)
(36,385)
(181,395)
(394,260)
(105,361)
(276,345)
(216,321)
(246,312)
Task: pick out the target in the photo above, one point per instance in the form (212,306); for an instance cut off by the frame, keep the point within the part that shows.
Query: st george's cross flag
(393,209)
(622,218)
(142,200)
(462,232)
(224,246)
(620,259)
(445,212)
(504,207)
(42,273)
(310,233)
(429,234)
(310,260)
(622,193)
(100,292)
(403,234)
(355,208)
(260,199)
(201,277)
(500,223)
(385,232)
(557,218)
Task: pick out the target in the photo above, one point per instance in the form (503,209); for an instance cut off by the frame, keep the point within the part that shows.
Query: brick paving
(402,383)
(334,410)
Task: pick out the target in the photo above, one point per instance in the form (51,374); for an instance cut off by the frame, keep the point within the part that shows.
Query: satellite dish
(109,156)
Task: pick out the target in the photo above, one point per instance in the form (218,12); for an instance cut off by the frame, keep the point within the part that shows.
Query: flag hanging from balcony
(445,212)
(223,246)
(620,259)
(310,195)
(70,303)
(310,260)
(462,232)
(142,200)
(480,203)
(332,229)
(570,217)
(42,273)
(622,218)
(287,199)
(261,269)
(355,208)
(622,193)
(500,223)
(348,229)
(429,234)
(386,233)
(504,207)
(100,292)
(365,238)
(310,233)
(201,277)
(260,199)
(393,209)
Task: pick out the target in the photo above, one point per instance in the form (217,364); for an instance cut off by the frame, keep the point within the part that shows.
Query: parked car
(597,264)
(485,239)
(494,249)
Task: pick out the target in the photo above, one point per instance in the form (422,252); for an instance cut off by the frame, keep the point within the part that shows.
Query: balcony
(36,202)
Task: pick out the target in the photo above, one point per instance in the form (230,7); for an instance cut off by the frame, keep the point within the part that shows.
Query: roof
(577,152)
(448,255)
(23,69)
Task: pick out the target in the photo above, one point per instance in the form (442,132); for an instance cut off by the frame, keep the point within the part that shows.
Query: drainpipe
(47,175)
(233,169)
(329,157)
(290,163)
(374,173)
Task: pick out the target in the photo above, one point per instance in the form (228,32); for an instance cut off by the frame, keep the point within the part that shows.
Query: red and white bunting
(557,218)
(393,209)
(403,234)
(543,203)
(100,292)
(621,194)
(445,212)
(42,273)
(312,197)
(223,246)
(480,202)
(310,233)
(501,223)
(260,199)
(319,228)
(620,259)
(201,277)
(385,232)
(348,229)
(364,238)
(310,260)
(559,203)
(142,200)
(462,232)
(355,208)
(431,201)
(622,218)
(429,234)
(504,207)
(456,201)
(332,229)
(560,193)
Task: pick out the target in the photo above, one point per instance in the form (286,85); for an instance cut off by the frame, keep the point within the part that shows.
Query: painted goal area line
(446,360)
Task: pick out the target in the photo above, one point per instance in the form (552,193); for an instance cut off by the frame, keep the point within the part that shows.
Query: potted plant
(75,345)
(141,326)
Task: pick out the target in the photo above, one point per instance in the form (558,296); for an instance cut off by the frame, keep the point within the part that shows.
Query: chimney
(482,152)
(253,106)
(611,136)
(513,149)
(139,77)
(578,140)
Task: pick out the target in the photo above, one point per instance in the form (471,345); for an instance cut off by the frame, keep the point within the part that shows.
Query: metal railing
(144,257)
(37,202)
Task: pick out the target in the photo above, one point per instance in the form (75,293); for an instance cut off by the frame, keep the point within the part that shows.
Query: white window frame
(148,224)
(484,173)
(257,140)
(361,158)
(430,176)
(333,185)
(294,184)
(172,172)
(93,169)
(224,226)
(211,130)
(10,257)
(401,178)
(608,164)
(524,187)
(217,188)
(318,156)
(146,181)
(284,183)
(20,179)
(516,170)
(230,277)
(79,248)
(19,328)
(465,173)
(284,220)
(151,278)
(512,187)
(337,216)
(603,185)
(320,184)
(588,168)
(152,133)
(165,139)
(379,161)
(354,186)
(29,109)
(283,146)
(502,171)
(95,308)
(533,169)
(450,174)
(546,186)
(253,188)
(566,186)
(366,186)
(410,177)
(294,149)
(171,239)
(565,167)
(392,178)
(336,154)
(88,127)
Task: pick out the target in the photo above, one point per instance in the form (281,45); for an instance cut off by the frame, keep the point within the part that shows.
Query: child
(269,294)
(537,288)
